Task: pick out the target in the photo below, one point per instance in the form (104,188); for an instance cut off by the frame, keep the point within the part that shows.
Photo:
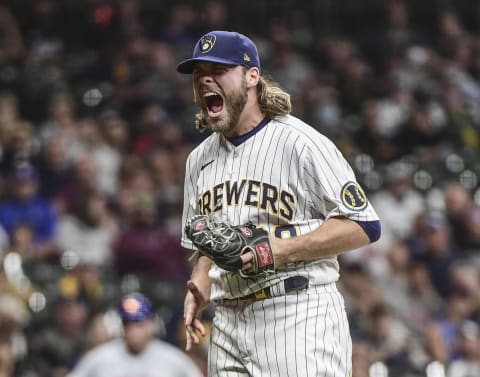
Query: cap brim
(188,65)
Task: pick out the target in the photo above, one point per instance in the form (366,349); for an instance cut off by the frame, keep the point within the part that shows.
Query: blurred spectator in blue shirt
(26,207)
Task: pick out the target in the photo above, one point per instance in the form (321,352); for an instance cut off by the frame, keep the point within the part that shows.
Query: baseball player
(265,168)
(138,353)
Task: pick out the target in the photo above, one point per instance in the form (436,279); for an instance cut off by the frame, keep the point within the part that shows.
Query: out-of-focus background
(95,127)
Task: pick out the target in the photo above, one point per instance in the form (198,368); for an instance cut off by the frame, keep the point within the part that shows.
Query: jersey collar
(240,139)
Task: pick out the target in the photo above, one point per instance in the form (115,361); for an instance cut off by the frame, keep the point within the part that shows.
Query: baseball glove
(224,244)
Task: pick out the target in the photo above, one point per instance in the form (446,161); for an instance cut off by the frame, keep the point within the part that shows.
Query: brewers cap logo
(207,42)
(353,196)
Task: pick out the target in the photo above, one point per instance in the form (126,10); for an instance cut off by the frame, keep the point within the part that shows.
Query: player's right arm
(197,298)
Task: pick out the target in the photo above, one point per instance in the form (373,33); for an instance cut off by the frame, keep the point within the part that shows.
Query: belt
(291,284)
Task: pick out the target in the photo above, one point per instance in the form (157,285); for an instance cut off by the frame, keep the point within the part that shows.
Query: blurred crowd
(95,127)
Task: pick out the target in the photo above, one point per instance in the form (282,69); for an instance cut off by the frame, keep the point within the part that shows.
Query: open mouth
(213,102)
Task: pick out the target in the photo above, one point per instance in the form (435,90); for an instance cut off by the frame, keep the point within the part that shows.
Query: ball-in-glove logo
(207,42)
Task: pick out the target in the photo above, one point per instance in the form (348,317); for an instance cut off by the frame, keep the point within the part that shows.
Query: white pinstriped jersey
(285,177)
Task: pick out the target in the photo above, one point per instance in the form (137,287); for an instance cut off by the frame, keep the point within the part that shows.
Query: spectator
(114,129)
(426,300)
(421,136)
(468,362)
(144,247)
(457,203)
(369,138)
(54,168)
(27,208)
(61,341)
(392,341)
(397,204)
(436,251)
(83,282)
(83,182)
(156,129)
(89,230)
(407,289)
(105,157)
(61,121)
(442,334)
(361,295)
(19,146)
(463,132)
(137,352)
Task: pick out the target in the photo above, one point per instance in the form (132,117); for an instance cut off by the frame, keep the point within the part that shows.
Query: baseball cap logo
(131,305)
(207,42)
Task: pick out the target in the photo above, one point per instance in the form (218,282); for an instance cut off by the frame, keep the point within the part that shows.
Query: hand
(248,259)
(195,302)
(224,245)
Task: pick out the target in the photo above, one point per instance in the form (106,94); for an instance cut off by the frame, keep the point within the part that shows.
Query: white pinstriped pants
(303,333)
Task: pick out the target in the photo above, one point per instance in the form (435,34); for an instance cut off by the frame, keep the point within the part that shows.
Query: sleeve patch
(353,196)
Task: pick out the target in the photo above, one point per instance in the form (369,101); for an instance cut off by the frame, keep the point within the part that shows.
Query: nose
(203,77)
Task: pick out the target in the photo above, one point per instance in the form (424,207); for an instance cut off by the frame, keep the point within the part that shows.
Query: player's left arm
(350,223)
(335,236)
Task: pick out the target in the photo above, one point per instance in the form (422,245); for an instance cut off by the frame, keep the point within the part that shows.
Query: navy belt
(291,284)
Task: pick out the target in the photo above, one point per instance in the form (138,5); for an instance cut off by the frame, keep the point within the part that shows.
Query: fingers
(247,260)
(247,257)
(192,332)
(191,337)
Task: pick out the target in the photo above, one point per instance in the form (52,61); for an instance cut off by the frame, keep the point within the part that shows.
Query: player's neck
(249,119)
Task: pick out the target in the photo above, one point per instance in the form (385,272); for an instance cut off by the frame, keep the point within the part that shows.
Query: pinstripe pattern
(287,178)
(307,335)
(287,157)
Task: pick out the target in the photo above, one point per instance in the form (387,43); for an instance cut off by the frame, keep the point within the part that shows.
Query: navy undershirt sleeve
(373,229)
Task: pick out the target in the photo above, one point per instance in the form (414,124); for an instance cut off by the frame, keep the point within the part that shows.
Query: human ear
(252,76)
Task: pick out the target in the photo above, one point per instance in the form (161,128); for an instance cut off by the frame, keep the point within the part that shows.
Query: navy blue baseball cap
(224,47)
(135,307)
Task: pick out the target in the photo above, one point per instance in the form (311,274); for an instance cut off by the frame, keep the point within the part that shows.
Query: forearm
(335,236)
(200,276)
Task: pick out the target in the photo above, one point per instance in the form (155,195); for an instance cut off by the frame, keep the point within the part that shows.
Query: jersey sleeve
(332,185)
(189,198)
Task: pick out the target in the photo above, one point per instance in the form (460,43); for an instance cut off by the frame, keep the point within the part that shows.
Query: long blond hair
(272,101)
